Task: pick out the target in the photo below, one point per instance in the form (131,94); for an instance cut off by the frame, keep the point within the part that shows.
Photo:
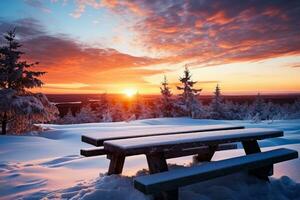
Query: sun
(130,92)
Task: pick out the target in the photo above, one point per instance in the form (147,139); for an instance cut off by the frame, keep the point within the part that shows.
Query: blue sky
(91,46)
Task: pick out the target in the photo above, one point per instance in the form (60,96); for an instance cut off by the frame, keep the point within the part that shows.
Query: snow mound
(236,186)
(49,166)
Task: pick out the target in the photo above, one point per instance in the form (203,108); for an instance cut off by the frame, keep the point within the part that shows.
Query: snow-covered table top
(159,143)
(98,139)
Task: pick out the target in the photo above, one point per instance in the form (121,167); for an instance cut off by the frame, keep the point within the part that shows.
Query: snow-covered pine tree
(117,112)
(15,78)
(68,118)
(189,98)
(258,109)
(86,115)
(103,108)
(217,106)
(167,104)
(137,108)
(294,112)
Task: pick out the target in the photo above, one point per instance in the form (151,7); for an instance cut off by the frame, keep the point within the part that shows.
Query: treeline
(186,104)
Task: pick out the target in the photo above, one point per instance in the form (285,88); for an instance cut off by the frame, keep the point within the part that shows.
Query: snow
(203,137)
(49,166)
(158,130)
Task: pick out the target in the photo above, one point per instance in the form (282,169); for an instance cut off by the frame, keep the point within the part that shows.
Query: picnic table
(173,142)
(117,158)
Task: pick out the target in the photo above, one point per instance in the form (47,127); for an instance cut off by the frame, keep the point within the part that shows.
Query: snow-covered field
(50,167)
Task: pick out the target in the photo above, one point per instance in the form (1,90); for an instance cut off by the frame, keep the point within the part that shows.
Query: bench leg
(157,163)
(262,173)
(116,164)
(205,156)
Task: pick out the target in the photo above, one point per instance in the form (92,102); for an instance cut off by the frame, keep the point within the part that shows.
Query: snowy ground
(49,166)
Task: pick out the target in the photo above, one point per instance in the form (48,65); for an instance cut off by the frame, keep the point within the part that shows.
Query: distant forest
(189,103)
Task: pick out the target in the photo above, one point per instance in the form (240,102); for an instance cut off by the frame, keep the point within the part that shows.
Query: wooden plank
(252,147)
(177,142)
(197,150)
(116,164)
(93,152)
(168,154)
(174,179)
(99,138)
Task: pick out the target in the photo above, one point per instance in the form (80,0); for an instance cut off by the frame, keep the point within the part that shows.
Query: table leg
(251,147)
(116,164)
(157,163)
(206,156)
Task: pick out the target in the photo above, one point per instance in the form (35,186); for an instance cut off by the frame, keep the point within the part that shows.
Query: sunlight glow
(129,92)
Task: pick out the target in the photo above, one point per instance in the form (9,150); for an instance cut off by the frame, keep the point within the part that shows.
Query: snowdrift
(49,166)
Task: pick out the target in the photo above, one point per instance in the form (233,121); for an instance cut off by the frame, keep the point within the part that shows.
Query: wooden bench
(172,180)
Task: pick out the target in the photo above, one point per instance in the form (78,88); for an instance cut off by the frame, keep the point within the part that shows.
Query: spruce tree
(15,78)
(217,107)
(137,108)
(102,107)
(15,74)
(258,108)
(189,97)
(166,99)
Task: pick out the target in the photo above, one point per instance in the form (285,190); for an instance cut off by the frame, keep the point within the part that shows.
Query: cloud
(38,4)
(218,31)
(81,6)
(116,5)
(67,61)
(294,65)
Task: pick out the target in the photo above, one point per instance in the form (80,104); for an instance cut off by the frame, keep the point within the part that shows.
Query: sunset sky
(92,46)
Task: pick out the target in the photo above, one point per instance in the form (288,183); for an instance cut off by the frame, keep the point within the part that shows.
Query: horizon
(157,94)
(117,46)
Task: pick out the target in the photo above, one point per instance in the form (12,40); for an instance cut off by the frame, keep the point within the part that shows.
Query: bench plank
(93,152)
(197,150)
(170,180)
(136,146)
(97,139)
(168,154)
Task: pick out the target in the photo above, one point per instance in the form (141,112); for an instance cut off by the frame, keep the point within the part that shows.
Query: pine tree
(217,106)
(15,78)
(258,108)
(103,108)
(166,99)
(137,108)
(189,97)
(86,115)
(68,118)
(117,112)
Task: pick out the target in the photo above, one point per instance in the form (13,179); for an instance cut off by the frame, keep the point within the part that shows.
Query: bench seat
(170,180)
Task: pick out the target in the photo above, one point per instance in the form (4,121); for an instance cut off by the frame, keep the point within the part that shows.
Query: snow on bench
(98,139)
(170,180)
(160,143)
